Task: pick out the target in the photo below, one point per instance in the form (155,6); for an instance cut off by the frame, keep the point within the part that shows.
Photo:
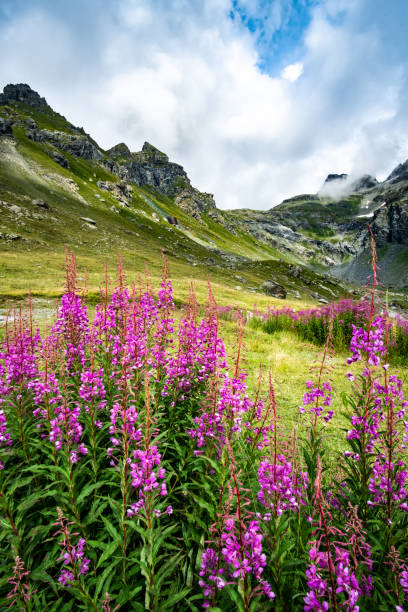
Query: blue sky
(258,99)
(278,30)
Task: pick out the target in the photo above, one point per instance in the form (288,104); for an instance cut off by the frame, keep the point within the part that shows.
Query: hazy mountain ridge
(332,232)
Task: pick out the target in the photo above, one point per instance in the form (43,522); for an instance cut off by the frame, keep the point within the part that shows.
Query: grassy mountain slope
(45,207)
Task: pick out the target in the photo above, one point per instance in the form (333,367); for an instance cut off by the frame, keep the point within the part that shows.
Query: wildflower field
(138,471)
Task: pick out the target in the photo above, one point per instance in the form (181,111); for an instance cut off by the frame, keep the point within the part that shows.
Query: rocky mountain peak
(399,173)
(22,92)
(367,181)
(335,177)
(150,154)
(119,150)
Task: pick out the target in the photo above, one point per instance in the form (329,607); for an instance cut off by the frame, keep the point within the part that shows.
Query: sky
(258,99)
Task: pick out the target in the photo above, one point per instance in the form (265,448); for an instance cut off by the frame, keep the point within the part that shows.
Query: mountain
(59,187)
(328,230)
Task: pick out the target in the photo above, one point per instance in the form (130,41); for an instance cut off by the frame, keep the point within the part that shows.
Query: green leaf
(103,582)
(88,490)
(111,529)
(173,599)
(108,552)
(232,592)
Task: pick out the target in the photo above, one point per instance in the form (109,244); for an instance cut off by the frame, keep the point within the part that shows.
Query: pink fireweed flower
(165,323)
(320,594)
(280,488)
(18,360)
(319,398)
(46,392)
(66,430)
(371,343)
(336,558)
(240,554)
(147,477)
(199,355)
(367,421)
(227,416)
(75,563)
(400,570)
(381,484)
(403,580)
(5,438)
(91,389)
(21,591)
(124,424)
(71,330)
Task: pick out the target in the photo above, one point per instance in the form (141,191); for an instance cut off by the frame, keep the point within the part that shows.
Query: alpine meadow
(203,397)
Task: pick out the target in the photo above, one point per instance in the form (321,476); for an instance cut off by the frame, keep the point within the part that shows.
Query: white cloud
(292,72)
(185,76)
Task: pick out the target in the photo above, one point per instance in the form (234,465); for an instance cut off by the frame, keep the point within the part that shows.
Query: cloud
(292,72)
(186,76)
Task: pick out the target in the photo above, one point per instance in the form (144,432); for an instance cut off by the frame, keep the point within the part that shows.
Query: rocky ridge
(148,167)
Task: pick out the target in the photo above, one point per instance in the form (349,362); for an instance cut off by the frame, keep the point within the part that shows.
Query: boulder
(10,237)
(273,289)
(6,127)
(15,209)
(40,204)
(59,158)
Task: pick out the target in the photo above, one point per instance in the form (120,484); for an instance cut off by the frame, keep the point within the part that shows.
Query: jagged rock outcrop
(150,155)
(195,203)
(390,224)
(400,173)
(77,145)
(22,92)
(151,167)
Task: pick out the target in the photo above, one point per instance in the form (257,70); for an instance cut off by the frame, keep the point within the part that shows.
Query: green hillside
(51,198)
